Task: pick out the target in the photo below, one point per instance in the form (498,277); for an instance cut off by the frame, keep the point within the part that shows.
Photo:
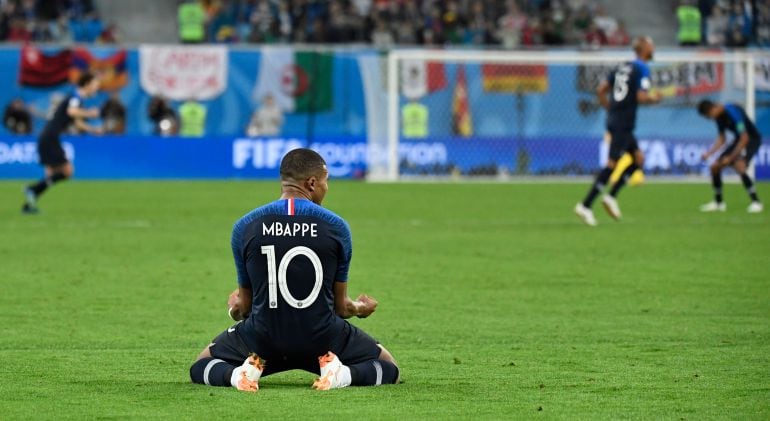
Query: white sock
(343,376)
(236,376)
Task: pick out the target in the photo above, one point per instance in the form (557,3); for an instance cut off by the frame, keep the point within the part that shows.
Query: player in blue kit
(57,167)
(745,144)
(620,94)
(292,258)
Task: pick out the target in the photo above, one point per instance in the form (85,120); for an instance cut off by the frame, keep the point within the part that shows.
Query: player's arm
(644,95)
(743,140)
(75,111)
(602,94)
(345,307)
(715,147)
(85,127)
(647,97)
(239,304)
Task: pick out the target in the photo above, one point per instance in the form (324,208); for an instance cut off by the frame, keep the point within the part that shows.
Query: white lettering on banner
(340,158)
(26,152)
(763,155)
(423,153)
(655,155)
(265,153)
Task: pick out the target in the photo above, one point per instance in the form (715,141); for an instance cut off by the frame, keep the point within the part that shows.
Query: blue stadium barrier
(151,157)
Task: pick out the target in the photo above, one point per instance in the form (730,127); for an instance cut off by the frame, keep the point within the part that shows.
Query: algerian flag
(298,81)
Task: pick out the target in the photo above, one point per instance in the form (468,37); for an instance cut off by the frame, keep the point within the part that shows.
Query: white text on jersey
(295,229)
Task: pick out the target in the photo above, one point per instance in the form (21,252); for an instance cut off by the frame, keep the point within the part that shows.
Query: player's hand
(367,305)
(704,156)
(92,113)
(233,299)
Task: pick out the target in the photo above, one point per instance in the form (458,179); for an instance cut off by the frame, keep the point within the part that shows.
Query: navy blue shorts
(747,153)
(352,346)
(622,141)
(51,152)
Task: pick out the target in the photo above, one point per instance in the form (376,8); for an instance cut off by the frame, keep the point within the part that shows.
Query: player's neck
(293,192)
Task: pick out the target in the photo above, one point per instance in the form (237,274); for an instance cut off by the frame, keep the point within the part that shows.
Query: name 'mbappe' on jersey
(290,253)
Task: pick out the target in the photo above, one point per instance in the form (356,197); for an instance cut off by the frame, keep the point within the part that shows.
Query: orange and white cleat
(247,375)
(334,374)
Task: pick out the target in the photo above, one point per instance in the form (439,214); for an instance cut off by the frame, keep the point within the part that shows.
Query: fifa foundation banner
(252,158)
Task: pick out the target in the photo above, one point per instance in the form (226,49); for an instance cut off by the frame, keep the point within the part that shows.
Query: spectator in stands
(16,118)
(689,18)
(382,36)
(606,23)
(192,118)
(113,115)
(192,22)
(479,27)
(763,24)
(738,26)
(716,27)
(164,118)
(594,36)
(511,25)
(620,36)
(267,120)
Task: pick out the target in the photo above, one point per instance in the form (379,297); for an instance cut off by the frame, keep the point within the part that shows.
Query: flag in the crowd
(38,69)
(298,81)
(461,112)
(514,77)
(420,77)
(182,72)
(111,70)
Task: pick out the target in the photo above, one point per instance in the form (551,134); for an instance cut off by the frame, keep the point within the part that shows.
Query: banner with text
(348,157)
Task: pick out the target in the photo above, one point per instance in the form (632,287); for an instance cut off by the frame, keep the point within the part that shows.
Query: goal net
(502,115)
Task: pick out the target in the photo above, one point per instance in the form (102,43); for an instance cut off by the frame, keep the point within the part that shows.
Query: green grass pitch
(497,302)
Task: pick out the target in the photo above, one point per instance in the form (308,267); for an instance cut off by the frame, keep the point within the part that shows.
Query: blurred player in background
(292,258)
(745,144)
(620,94)
(52,157)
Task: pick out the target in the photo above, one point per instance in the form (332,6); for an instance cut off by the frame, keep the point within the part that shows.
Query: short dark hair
(85,78)
(704,107)
(301,164)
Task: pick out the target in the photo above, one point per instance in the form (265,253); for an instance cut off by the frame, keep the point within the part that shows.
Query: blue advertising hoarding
(151,157)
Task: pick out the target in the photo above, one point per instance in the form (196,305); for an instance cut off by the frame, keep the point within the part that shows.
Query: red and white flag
(420,77)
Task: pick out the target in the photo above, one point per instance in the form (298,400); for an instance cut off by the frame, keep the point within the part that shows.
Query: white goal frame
(396,56)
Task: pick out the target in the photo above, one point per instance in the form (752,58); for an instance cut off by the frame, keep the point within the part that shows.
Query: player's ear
(311,183)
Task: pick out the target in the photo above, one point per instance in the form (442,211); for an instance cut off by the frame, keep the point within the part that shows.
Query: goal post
(467,114)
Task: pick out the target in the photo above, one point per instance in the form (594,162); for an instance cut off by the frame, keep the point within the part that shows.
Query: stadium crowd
(510,23)
(731,23)
(53,21)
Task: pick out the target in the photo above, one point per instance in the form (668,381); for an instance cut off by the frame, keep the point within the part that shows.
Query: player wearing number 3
(622,92)
(292,258)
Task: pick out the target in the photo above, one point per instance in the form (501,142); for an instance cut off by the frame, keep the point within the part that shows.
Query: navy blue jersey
(290,253)
(61,119)
(734,119)
(626,81)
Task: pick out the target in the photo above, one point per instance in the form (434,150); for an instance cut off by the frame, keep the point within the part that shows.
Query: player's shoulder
(308,208)
(641,66)
(272,208)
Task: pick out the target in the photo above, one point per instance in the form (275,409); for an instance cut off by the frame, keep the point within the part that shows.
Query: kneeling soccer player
(737,155)
(292,258)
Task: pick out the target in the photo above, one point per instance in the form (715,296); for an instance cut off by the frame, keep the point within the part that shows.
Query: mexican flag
(298,81)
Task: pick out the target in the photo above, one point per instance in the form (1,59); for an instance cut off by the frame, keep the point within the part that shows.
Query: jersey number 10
(279,276)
